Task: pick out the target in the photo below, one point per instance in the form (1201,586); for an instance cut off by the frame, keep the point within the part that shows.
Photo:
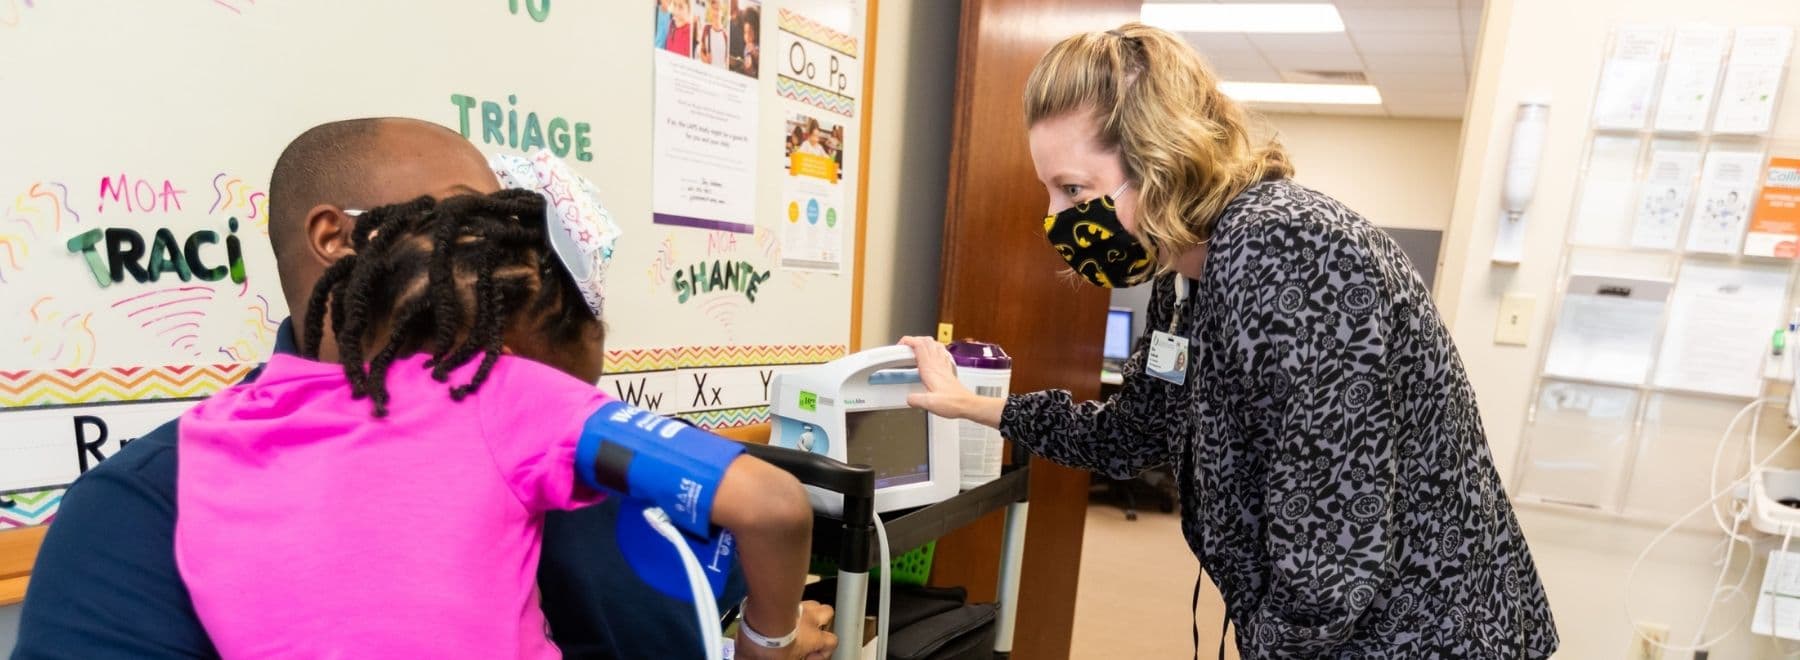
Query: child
(388,503)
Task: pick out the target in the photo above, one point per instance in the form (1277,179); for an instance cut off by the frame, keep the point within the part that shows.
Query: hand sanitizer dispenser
(854,410)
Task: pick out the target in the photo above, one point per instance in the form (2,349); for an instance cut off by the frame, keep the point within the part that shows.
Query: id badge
(1168,357)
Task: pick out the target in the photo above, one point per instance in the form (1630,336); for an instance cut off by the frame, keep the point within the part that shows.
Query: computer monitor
(1118,334)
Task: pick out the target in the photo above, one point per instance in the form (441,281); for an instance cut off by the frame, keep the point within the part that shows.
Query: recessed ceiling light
(1252,92)
(1229,17)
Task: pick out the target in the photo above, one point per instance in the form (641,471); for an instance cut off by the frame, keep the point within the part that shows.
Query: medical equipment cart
(851,538)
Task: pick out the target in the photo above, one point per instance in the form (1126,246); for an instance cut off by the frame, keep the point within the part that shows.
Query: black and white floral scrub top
(1335,481)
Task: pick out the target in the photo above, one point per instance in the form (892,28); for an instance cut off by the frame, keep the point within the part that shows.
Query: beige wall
(909,160)
(1554,48)
(1396,172)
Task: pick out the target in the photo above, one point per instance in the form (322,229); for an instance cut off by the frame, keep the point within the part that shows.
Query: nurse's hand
(945,395)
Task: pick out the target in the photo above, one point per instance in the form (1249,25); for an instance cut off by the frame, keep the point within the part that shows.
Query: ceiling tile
(1254,73)
(1403,43)
(1205,42)
(1413,64)
(1421,82)
(1396,4)
(1301,61)
(1304,43)
(1402,20)
(1359,110)
(1235,58)
(1427,112)
(1400,97)
(1289,108)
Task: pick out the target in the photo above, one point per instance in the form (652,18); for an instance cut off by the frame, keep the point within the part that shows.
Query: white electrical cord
(706,607)
(1719,454)
(1724,567)
(1631,577)
(881,611)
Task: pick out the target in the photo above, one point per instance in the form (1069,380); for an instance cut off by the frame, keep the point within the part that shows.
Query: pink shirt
(308,528)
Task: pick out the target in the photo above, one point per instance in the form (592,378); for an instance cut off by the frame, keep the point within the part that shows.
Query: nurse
(1335,481)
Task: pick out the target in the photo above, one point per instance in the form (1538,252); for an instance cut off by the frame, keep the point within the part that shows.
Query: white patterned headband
(582,232)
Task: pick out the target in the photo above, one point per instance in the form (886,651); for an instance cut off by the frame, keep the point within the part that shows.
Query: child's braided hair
(418,271)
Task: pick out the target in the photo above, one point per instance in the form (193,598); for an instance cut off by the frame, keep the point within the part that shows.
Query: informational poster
(813,236)
(1775,223)
(704,138)
(818,76)
(1602,217)
(1693,76)
(1753,79)
(1607,329)
(1663,199)
(1628,79)
(1727,188)
(1720,319)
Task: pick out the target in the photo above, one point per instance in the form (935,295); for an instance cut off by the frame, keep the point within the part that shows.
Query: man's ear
(328,232)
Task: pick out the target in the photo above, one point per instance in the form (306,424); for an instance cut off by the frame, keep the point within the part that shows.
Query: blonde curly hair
(1186,145)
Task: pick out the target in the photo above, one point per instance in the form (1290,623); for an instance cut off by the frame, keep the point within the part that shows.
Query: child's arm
(766,510)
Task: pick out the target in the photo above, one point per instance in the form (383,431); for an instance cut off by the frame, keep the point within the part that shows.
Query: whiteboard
(148,118)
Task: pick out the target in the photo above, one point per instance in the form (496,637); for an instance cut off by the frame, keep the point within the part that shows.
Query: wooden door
(1004,284)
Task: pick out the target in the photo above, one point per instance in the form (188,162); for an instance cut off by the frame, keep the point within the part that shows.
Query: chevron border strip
(28,509)
(815,96)
(799,24)
(76,386)
(689,357)
(60,387)
(712,420)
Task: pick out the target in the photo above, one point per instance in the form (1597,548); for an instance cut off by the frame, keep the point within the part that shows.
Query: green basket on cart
(912,568)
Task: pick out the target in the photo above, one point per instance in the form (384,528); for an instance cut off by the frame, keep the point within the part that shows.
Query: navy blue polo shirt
(105,585)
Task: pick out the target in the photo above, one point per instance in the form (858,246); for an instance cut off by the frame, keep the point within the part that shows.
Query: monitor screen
(1118,334)
(893,442)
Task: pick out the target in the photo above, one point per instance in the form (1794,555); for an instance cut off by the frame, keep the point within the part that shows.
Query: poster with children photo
(814,148)
(718,33)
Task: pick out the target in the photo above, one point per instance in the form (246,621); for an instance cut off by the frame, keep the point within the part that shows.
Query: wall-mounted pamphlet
(1753,80)
(1603,214)
(1720,318)
(1692,76)
(1628,79)
(1607,329)
(1727,186)
(1775,223)
(1663,199)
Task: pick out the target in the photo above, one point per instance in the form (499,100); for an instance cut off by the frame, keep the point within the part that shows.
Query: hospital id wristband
(749,634)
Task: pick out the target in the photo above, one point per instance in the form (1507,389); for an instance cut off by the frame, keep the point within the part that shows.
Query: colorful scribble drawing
(60,338)
(256,333)
(10,17)
(769,243)
(172,315)
(236,6)
(232,195)
(663,266)
(38,213)
(723,309)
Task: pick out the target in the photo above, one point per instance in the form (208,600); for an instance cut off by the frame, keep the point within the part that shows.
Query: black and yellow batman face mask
(1091,238)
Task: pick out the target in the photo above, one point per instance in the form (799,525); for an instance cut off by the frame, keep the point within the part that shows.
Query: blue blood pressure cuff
(645,456)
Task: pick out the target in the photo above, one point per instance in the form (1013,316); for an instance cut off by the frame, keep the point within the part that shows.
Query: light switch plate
(1514,325)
